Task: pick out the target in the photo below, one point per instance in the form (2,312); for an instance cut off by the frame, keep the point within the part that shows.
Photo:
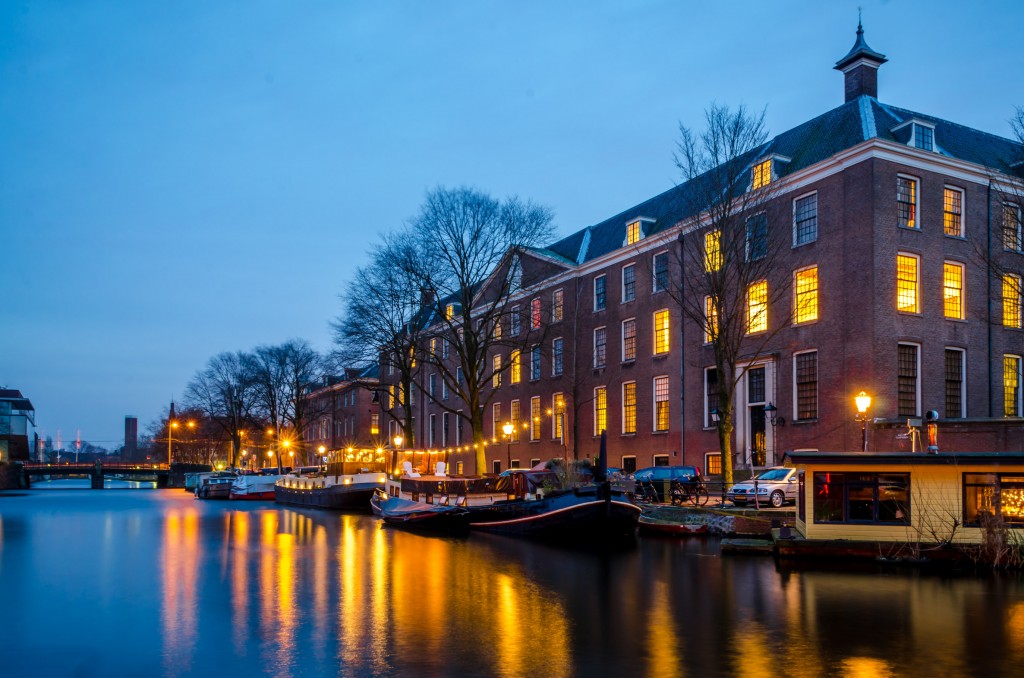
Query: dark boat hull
(584,514)
(420,517)
(354,497)
(655,526)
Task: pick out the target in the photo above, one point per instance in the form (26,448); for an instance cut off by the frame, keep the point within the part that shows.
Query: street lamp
(863,401)
(507,429)
(170,437)
(321,450)
(270,454)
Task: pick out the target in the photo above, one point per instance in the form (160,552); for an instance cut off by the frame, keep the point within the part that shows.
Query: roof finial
(860,29)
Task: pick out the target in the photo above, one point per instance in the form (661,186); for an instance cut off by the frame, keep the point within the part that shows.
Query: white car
(775,486)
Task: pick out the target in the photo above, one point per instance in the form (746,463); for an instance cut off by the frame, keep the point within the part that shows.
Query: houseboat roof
(882,458)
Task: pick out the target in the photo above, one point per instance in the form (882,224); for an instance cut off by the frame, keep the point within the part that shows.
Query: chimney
(860,66)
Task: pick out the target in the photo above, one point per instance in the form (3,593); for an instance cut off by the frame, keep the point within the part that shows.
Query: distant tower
(131,437)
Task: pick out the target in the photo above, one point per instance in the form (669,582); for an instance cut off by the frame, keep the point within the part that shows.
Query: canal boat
(332,489)
(216,485)
(419,516)
(252,486)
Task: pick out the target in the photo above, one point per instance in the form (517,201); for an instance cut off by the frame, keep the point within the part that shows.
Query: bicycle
(647,493)
(692,490)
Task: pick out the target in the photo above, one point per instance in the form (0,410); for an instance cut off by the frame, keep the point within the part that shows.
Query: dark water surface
(154,582)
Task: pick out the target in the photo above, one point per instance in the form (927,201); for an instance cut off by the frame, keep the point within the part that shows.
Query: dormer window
(924,137)
(633,233)
(762,174)
(916,133)
(449,311)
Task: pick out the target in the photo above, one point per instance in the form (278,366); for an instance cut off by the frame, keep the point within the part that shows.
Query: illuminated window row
(908,286)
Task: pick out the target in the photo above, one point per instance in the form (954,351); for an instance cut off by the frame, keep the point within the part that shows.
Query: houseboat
(346,485)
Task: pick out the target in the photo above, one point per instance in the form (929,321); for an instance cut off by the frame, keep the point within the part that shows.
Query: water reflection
(269,590)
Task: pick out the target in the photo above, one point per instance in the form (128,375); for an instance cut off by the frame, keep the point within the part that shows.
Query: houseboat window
(879,498)
(993,493)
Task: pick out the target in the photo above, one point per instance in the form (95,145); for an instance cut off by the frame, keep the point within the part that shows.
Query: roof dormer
(916,133)
(767,169)
(636,229)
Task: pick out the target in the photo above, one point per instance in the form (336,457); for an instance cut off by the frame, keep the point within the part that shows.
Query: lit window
(806,294)
(535,418)
(412,357)
(906,202)
(955,383)
(805,368)
(629,283)
(908,381)
(629,407)
(1011,300)
(391,397)
(433,346)
(633,233)
(514,322)
(629,340)
(1011,386)
(600,293)
(805,219)
(757,307)
(535,363)
(762,174)
(660,282)
(557,352)
(710,320)
(757,237)
(516,420)
(557,415)
(497,329)
(374,424)
(600,347)
(517,368)
(953,290)
(953,212)
(496,368)
(600,410)
(712,250)
(661,407)
(557,305)
(449,311)
(535,314)
(661,328)
(1012,227)
(906,283)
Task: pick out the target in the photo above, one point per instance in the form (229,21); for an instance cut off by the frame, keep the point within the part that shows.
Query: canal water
(154,582)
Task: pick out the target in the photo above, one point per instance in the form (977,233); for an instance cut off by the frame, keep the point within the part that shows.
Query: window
(762,174)
(712,463)
(517,367)
(955,383)
(805,377)
(907,282)
(757,307)
(629,340)
(712,251)
(628,463)
(444,348)
(1011,386)
(516,419)
(557,353)
(557,416)
(513,321)
(600,293)
(557,305)
(391,397)
(633,233)
(600,410)
(1012,300)
(909,384)
(710,320)
(906,202)
(881,498)
(660,281)
(629,407)
(496,371)
(458,427)
(496,423)
(445,429)
(953,212)
(805,219)
(924,137)
(757,237)
(660,459)
(535,363)
(375,424)
(516,273)
(661,406)
(996,494)
(661,330)
(710,396)
(600,347)
(1012,227)
(628,283)
(805,292)
(535,314)
(953,290)
(496,334)
(432,385)
(458,377)
(444,389)
(535,418)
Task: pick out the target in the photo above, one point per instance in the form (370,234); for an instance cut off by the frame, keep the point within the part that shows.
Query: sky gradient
(181,179)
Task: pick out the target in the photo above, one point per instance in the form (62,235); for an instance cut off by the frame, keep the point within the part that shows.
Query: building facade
(897,274)
(17,424)
(345,413)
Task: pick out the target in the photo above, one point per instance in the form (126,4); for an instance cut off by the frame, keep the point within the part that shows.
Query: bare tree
(462,253)
(224,392)
(729,249)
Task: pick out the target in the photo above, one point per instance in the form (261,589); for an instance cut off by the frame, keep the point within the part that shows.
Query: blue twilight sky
(183,178)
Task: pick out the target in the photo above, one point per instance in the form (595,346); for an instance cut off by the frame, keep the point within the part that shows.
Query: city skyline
(169,202)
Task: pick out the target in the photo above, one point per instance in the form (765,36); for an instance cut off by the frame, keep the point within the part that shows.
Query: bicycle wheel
(700,496)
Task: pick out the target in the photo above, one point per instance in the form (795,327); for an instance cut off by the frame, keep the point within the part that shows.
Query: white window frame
(654,271)
(963,211)
(622,408)
(708,424)
(817,386)
(557,305)
(560,362)
(917,282)
(655,401)
(622,296)
(496,431)
(963,380)
(1019,405)
(917,387)
(917,201)
(593,347)
(604,277)
(817,219)
(622,341)
(963,289)
(596,401)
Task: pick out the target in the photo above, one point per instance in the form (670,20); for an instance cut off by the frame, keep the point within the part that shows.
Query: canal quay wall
(12,477)
(738,522)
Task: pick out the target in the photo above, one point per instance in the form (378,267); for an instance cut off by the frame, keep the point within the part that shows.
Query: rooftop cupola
(860,67)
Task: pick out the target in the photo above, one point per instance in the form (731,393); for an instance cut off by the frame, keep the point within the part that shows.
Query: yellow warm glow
(1012,300)
(762,174)
(757,307)
(711,320)
(906,283)
(806,306)
(712,250)
(953,290)
(633,233)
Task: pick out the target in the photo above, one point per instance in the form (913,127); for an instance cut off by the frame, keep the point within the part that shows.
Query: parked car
(662,476)
(775,486)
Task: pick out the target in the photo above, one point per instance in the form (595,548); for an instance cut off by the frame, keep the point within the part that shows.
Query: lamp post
(863,401)
(170,437)
(321,460)
(771,414)
(507,429)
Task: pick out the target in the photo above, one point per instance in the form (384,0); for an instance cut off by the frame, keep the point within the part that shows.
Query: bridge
(160,472)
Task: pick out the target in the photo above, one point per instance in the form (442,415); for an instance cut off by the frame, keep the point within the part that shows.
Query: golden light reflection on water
(239,565)
(665,647)
(866,667)
(180,577)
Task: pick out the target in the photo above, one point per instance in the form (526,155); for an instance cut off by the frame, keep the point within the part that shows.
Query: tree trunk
(479,450)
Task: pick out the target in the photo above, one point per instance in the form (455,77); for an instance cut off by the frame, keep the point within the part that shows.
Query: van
(662,476)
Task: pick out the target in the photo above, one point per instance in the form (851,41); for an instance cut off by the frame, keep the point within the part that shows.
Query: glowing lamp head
(508,428)
(321,449)
(398,441)
(863,401)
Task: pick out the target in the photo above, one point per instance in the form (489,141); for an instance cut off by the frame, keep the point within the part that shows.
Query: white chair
(407,470)
(440,469)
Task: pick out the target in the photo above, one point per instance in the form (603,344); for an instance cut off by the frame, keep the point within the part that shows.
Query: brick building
(345,412)
(902,262)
